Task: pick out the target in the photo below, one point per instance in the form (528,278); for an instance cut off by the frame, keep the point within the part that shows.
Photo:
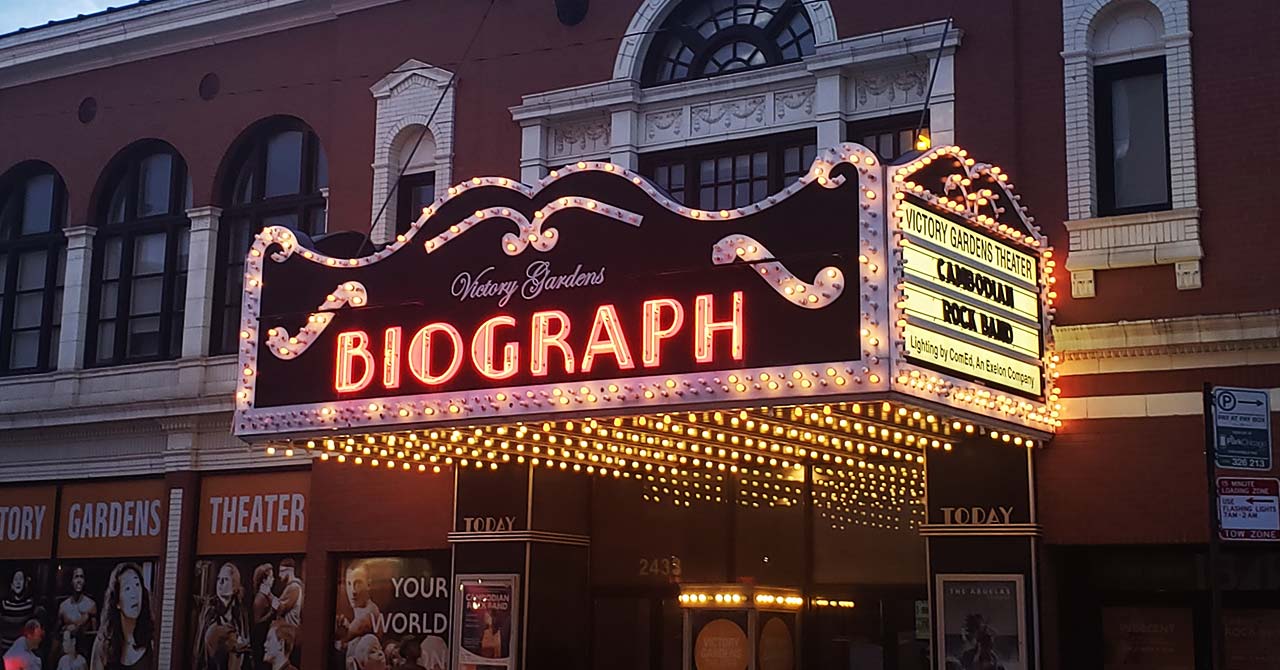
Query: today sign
(1248,509)
(1242,428)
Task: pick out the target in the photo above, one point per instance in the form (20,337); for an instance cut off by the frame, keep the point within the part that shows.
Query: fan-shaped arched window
(32,259)
(703,38)
(275,176)
(140,257)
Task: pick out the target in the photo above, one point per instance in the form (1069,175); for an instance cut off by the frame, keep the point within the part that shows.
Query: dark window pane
(24,351)
(37,206)
(111,258)
(184,250)
(145,295)
(317,221)
(28,308)
(119,203)
(284,164)
(791,160)
(243,192)
(110,297)
(148,254)
(31,269)
(707,200)
(322,168)
(55,334)
(144,337)
(1140,156)
(106,340)
(155,178)
(707,171)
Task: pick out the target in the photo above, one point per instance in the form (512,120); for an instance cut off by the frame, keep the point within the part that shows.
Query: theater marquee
(974,290)
(593,291)
(588,292)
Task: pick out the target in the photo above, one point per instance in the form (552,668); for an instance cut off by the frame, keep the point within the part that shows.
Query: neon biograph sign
(590,291)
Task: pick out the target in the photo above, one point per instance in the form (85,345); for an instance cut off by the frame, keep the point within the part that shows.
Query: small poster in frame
(487,614)
(981,622)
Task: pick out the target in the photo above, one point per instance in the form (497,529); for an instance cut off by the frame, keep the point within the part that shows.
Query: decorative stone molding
(891,88)
(1169,237)
(651,14)
(796,103)
(1097,32)
(892,66)
(665,126)
(727,116)
(405,100)
(586,138)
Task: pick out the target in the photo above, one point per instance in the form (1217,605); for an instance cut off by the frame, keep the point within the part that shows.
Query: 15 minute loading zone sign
(1242,428)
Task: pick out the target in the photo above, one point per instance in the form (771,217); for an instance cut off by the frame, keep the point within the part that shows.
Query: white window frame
(405,99)
(1167,237)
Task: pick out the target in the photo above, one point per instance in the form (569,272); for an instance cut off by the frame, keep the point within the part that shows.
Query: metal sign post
(1237,435)
(1217,639)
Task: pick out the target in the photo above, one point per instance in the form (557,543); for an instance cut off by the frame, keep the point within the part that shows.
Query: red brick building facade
(1117,119)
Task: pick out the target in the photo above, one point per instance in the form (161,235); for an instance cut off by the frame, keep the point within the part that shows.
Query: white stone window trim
(861,77)
(405,99)
(1170,237)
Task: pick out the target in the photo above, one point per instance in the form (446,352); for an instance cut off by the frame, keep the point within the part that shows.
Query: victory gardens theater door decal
(594,291)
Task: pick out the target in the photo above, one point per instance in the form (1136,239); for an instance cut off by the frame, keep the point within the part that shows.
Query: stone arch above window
(413,98)
(715,36)
(1083,19)
(1126,28)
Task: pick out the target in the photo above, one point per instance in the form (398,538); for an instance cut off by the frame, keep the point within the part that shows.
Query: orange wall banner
(26,521)
(259,513)
(113,519)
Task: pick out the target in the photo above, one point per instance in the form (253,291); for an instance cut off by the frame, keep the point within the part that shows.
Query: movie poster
(247,613)
(23,596)
(982,622)
(486,622)
(107,611)
(392,612)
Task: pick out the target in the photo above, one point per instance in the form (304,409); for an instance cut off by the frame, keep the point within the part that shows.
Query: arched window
(140,257)
(32,259)
(703,38)
(274,178)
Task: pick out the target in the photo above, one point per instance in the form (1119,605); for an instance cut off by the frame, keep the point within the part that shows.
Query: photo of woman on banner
(126,635)
(222,639)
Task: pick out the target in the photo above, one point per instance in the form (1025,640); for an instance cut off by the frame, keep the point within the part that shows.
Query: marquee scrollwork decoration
(286,347)
(826,287)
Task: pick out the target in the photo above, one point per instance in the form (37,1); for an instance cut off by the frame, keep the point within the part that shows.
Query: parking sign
(1242,428)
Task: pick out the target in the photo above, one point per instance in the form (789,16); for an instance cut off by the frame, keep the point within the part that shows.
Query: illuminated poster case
(973,291)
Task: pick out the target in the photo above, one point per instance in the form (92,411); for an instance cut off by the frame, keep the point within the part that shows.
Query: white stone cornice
(1181,343)
(142,31)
